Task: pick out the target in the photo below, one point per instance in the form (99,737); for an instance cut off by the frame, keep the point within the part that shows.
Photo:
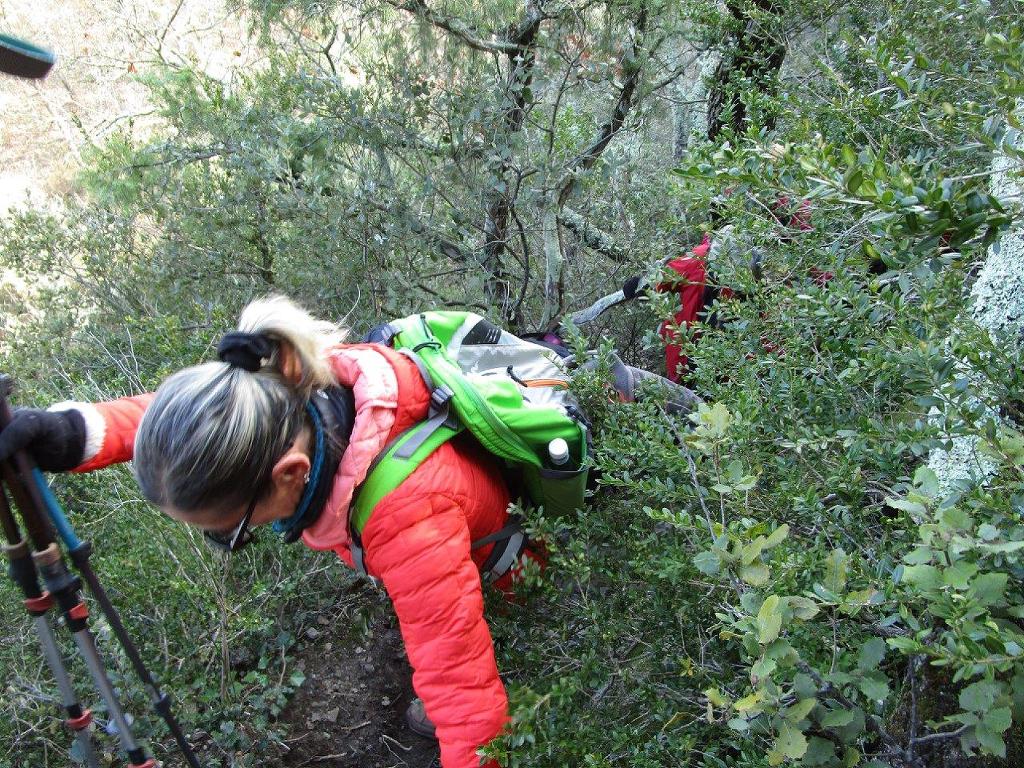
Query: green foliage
(859,616)
(774,580)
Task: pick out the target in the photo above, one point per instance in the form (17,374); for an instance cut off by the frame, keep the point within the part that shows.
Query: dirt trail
(350,711)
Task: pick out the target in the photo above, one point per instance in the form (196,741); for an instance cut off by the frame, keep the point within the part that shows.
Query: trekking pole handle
(17,474)
(23,59)
(38,505)
(40,532)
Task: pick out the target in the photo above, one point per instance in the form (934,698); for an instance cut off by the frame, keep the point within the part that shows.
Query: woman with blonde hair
(282,431)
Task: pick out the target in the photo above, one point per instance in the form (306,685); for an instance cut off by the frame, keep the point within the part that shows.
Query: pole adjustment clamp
(81,722)
(37,606)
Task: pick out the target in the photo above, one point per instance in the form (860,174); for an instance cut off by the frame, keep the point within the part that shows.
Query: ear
(291,470)
(290,363)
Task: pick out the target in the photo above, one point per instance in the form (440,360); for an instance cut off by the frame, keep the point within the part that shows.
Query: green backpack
(511,394)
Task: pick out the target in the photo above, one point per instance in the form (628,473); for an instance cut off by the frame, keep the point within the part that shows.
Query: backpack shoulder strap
(509,544)
(400,458)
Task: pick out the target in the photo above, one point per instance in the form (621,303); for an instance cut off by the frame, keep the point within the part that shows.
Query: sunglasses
(237,537)
(240,535)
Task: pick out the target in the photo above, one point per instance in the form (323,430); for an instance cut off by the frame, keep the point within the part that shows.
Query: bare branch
(448,302)
(591,235)
(471,37)
(586,158)
(449,248)
(672,76)
(941,736)
(183,156)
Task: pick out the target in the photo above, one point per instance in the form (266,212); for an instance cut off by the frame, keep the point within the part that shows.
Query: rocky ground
(350,711)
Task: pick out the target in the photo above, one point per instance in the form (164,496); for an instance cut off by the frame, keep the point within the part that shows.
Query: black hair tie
(245,350)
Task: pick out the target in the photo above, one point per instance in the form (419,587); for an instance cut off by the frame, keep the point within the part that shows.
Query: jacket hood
(376,375)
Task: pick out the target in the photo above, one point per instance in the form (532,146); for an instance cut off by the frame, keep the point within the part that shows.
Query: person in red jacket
(689,281)
(281,431)
(689,277)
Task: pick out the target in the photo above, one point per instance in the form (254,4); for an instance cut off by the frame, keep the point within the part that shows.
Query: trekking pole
(65,588)
(62,586)
(80,551)
(630,290)
(22,571)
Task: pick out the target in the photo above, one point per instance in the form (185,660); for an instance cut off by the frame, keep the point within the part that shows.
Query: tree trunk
(756,55)
(497,201)
(690,115)
(553,265)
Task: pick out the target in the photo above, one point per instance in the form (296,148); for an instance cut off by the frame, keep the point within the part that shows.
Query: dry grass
(102,46)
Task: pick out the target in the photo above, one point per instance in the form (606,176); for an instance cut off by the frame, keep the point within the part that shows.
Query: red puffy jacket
(692,271)
(417,541)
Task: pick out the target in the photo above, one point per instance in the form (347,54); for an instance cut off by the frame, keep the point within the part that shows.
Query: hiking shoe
(417,720)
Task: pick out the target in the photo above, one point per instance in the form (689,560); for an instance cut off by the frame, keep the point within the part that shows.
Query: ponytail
(299,336)
(213,433)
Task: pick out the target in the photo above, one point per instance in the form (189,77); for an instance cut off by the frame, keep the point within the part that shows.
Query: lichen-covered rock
(998,296)
(997,304)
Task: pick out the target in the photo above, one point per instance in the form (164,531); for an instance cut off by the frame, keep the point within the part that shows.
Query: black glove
(631,287)
(54,439)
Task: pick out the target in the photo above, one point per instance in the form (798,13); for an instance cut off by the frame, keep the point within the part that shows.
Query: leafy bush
(820,600)
(780,579)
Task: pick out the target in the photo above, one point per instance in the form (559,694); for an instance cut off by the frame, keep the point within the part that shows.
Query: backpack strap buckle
(359,559)
(440,400)
(509,543)
(440,415)
(381,334)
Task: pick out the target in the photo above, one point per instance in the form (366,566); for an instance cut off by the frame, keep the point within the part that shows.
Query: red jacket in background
(690,280)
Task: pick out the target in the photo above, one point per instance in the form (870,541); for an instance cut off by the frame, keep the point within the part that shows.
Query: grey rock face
(997,304)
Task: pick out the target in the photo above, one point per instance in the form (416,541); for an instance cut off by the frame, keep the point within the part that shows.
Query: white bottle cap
(558,450)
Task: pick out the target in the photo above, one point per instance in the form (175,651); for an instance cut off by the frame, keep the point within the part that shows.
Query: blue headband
(287,525)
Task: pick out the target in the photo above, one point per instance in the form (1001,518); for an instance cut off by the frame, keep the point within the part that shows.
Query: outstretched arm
(109,429)
(76,437)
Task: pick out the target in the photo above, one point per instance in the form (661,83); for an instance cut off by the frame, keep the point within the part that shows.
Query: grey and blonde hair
(213,432)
